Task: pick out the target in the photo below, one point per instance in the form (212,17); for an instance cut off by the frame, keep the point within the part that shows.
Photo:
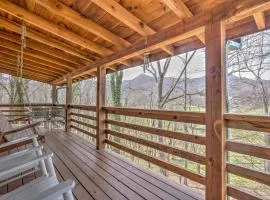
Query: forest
(176,83)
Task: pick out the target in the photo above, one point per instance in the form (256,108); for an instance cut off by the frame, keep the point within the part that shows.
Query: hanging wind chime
(146,58)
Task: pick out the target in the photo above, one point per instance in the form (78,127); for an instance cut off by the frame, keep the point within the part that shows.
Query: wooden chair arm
(19,119)
(60,190)
(18,141)
(21,128)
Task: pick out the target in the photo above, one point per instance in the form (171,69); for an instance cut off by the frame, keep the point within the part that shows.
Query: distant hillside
(141,91)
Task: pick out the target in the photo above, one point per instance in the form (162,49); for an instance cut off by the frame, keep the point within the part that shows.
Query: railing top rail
(178,116)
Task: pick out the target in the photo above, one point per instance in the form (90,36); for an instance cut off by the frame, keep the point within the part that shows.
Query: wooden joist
(10,54)
(260,20)
(181,31)
(126,17)
(13,60)
(182,11)
(69,59)
(11,26)
(58,8)
(46,25)
(37,54)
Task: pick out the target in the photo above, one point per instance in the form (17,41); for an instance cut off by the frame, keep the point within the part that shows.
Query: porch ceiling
(74,37)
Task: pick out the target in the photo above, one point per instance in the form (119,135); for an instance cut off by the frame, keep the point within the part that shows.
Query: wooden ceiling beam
(27,68)
(42,48)
(44,63)
(57,30)
(126,17)
(36,54)
(28,74)
(11,26)
(260,20)
(180,31)
(13,59)
(13,73)
(182,11)
(88,25)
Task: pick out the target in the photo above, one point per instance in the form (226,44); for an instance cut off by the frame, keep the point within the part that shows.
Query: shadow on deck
(103,175)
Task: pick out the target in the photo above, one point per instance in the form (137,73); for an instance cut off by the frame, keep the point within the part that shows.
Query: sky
(195,68)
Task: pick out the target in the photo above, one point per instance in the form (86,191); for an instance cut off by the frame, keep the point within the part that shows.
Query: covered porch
(75,46)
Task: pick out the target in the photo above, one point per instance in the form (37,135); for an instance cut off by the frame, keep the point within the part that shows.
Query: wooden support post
(54,95)
(101,114)
(215,104)
(68,103)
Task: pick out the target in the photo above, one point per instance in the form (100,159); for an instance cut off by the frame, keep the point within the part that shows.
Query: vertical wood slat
(100,112)
(68,104)
(215,131)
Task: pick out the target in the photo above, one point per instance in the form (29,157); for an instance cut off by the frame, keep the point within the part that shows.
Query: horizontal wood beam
(173,168)
(237,193)
(16,28)
(6,70)
(84,107)
(186,117)
(161,147)
(37,54)
(251,174)
(88,25)
(57,30)
(83,131)
(67,58)
(248,149)
(181,31)
(161,132)
(182,11)
(248,122)
(32,60)
(83,116)
(126,17)
(260,20)
(84,124)
(27,67)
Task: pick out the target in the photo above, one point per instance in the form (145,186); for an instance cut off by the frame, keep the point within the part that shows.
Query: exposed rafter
(182,11)
(57,30)
(260,20)
(126,17)
(181,31)
(4,23)
(71,15)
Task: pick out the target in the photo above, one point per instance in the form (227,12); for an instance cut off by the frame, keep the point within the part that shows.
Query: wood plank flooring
(105,175)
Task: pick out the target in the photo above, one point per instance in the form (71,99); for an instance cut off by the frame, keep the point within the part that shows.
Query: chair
(46,187)
(15,159)
(10,133)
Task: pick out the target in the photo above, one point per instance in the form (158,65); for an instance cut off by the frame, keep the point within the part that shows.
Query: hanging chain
(23,46)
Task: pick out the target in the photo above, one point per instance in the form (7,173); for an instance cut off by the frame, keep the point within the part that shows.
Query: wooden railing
(83,120)
(168,116)
(118,125)
(249,123)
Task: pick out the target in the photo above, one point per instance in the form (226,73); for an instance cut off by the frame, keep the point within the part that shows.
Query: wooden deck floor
(103,175)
